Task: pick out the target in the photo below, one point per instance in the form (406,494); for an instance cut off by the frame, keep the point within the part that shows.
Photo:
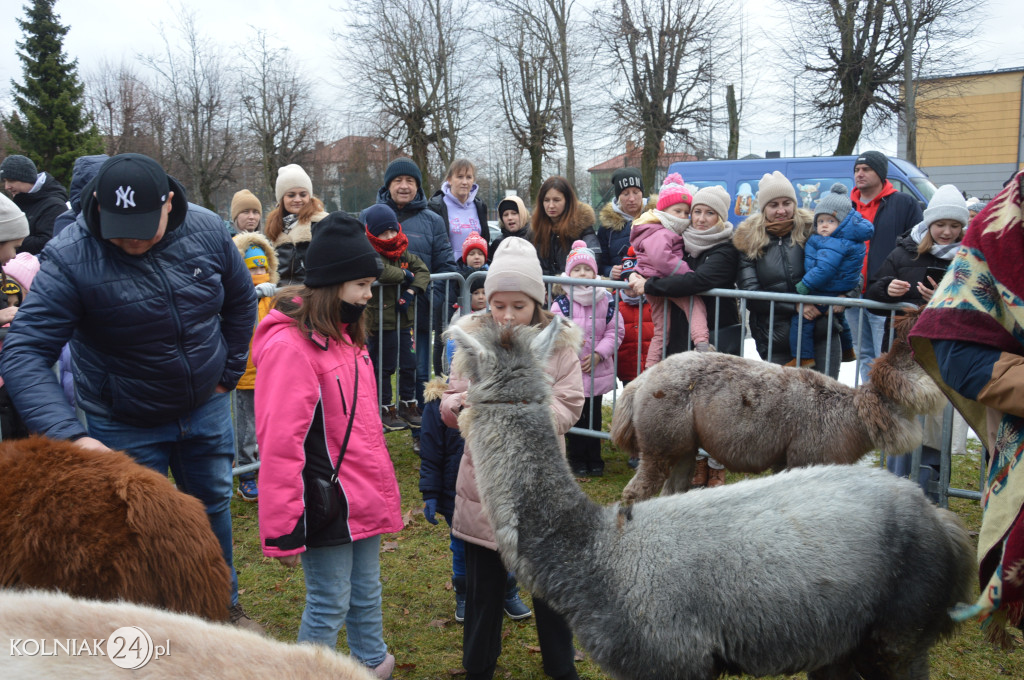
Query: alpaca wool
(580,254)
(836,203)
(947,204)
(624,178)
(473,241)
(714,197)
(673,190)
(773,186)
(875,160)
(292,177)
(18,168)
(13,223)
(515,268)
(244,200)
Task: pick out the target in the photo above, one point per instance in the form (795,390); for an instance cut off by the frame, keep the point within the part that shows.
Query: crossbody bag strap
(351,419)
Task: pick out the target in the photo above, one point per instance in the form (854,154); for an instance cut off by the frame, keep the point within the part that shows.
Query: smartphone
(936,273)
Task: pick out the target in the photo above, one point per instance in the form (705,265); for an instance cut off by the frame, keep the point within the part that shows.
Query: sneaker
(390,420)
(460,608)
(386,668)
(410,413)
(248,491)
(704,347)
(416,445)
(633,462)
(241,619)
(516,609)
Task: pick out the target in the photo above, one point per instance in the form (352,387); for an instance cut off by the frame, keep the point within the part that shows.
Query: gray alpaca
(833,570)
(753,416)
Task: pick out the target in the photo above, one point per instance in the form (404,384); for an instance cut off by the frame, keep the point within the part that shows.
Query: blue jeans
(868,331)
(198,448)
(343,587)
(806,332)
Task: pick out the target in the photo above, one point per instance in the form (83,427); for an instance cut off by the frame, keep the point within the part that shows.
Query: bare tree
(199,102)
(664,52)
(123,105)
(858,50)
(277,107)
(411,56)
(529,94)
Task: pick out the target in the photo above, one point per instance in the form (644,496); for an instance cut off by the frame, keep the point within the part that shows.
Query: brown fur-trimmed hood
(585,217)
(243,240)
(434,390)
(301,232)
(750,237)
(611,219)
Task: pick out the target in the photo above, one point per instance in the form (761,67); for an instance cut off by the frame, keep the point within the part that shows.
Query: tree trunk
(649,158)
(851,124)
(734,122)
(536,170)
(909,87)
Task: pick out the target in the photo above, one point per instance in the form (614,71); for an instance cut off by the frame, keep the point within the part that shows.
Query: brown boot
(804,363)
(700,472)
(715,477)
(849,355)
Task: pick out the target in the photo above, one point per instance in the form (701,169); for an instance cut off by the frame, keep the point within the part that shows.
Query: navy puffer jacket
(151,336)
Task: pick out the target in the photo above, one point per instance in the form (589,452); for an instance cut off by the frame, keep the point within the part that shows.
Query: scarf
(696,242)
(390,249)
(672,223)
(288,221)
(257,279)
(983,302)
(939,251)
(586,296)
(779,229)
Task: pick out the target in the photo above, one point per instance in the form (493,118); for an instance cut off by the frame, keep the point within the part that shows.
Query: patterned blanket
(981,300)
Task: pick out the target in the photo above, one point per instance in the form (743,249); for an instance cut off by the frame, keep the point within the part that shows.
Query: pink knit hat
(580,254)
(474,240)
(23,268)
(673,191)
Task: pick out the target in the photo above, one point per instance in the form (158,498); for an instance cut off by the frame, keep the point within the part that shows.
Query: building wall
(982,181)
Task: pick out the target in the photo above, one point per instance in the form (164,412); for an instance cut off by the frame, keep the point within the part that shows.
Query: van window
(923,185)
(809,191)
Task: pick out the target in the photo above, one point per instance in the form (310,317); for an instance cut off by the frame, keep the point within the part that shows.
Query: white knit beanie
(716,198)
(947,204)
(292,177)
(774,186)
(13,223)
(515,268)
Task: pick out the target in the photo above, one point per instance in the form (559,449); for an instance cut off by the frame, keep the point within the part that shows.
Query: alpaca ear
(471,346)
(544,342)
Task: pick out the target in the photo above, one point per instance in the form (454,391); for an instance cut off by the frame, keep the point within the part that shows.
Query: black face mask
(350,313)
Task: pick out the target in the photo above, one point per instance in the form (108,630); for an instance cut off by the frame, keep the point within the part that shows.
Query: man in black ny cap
(159,308)
(892,213)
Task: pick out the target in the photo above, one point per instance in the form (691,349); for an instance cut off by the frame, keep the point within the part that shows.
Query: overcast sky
(124,29)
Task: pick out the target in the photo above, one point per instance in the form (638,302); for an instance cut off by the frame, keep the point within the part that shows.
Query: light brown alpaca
(99,525)
(754,416)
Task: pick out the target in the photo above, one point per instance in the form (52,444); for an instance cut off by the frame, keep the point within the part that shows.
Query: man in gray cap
(892,213)
(158,307)
(38,194)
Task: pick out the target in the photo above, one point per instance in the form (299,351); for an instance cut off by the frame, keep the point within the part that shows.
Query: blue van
(812,178)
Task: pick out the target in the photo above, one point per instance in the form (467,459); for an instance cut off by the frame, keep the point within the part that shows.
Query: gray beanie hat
(836,203)
(515,268)
(876,160)
(19,169)
(714,197)
(947,204)
(13,223)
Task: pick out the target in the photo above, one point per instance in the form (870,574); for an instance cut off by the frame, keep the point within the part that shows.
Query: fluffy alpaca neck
(542,520)
(888,423)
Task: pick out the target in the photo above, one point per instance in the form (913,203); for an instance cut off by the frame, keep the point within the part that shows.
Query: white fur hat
(292,177)
(515,268)
(947,204)
(13,223)
(774,186)
(714,197)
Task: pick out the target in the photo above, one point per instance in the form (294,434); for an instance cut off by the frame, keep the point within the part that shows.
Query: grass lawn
(419,624)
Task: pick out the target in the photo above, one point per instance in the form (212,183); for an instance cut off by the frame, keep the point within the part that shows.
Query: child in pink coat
(657,238)
(592,309)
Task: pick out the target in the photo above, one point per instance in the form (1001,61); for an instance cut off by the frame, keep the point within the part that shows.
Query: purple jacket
(600,336)
(659,250)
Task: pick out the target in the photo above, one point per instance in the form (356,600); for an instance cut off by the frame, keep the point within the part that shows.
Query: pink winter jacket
(470,523)
(600,337)
(659,250)
(304,388)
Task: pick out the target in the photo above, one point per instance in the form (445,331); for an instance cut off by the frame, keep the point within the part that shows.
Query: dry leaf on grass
(390,546)
(439,623)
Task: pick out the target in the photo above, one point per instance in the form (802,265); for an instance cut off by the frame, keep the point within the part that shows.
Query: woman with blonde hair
(291,223)
(771,244)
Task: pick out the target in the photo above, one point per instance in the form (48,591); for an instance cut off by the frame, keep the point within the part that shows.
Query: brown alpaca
(754,416)
(99,525)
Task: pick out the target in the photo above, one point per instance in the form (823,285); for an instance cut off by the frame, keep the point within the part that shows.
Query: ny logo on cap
(125,197)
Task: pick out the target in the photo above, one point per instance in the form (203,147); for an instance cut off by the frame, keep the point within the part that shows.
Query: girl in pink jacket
(515,293)
(327,486)
(657,238)
(592,308)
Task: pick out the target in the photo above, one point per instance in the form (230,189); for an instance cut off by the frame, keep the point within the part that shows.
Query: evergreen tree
(50,124)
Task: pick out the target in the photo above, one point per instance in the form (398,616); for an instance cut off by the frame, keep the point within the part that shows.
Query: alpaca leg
(841,670)
(680,477)
(649,477)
